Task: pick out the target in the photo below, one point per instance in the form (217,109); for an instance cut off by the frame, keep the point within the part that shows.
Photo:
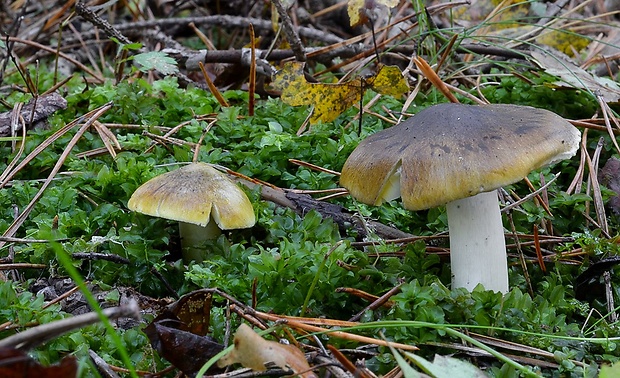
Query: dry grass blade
(170,131)
(606,112)
(8,174)
(62,55)
(57,86)
(432,10)
(25,241)
(531,195)
(515,347)
(212,87)
(431,75)
(203,38)
(15,120)
(108,138)
(593,124)
(539,256)
(252,84)
(447,52)
(169,140)
(314,167)
(539,195)
(520,255)
(305,326)
(466,94)
(24,214)
(599,206)
(477,352)
(22,266)
(348,365)
(324,322)
(42,333)
(56,18)
(575,185)
(593,182)
(351,41)
(381,301)
(364,295)
(318,191)
(200,141)
(92,153)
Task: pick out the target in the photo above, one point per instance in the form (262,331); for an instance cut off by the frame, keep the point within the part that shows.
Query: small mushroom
(457,155)
(203,201)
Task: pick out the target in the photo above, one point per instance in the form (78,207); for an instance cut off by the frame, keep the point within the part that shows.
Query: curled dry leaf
(252,351)
(185,350)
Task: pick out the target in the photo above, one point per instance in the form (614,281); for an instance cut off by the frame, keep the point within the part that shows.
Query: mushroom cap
(194,194)
(452,151)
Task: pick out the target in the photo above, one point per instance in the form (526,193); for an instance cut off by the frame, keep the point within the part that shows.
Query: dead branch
(45,106)
(303,203)
(217,21)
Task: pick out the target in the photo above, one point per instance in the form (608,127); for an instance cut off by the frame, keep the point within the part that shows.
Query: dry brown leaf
(252,351)
(15,363)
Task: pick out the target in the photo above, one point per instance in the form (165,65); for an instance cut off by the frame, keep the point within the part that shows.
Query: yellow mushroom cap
(194,194)
(452,151)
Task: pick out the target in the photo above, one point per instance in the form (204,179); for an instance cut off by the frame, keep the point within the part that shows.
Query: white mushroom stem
(194,237)
(477,244)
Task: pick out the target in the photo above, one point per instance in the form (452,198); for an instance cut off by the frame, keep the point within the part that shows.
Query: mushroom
(203,200)
(457,155)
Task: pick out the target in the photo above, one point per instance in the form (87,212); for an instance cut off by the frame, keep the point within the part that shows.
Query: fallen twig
(35,336)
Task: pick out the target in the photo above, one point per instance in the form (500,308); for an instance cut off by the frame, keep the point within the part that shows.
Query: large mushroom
(457,155)
(203,200)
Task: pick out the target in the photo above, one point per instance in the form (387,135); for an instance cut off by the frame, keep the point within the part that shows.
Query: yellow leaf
(390,81)
(565,41)
(499,14)
(252,351)
(356,7)
(330,100)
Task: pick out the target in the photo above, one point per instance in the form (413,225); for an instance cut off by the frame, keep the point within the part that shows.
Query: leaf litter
(331,99)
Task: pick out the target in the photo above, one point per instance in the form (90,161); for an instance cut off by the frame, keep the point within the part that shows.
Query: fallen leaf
(252,351)
(17,364)
(444,366)
(589,285)
(185,350)
(356,8)
(389,81)
(330,100)
(178,332)
(566,41)
(192,311)
(570,74)
(494,18)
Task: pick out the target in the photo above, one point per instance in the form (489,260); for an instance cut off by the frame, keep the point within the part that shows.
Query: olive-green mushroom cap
(452,151)
(194,194)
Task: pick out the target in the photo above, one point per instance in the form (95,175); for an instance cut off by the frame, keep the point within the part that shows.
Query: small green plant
(303,258)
